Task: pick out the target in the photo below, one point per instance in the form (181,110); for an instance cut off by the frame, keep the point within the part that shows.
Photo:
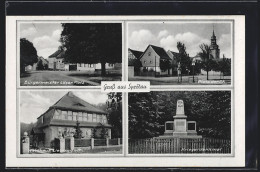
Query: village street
(199,79)
(64,78)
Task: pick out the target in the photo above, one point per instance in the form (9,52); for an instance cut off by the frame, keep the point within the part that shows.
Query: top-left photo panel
(68,54)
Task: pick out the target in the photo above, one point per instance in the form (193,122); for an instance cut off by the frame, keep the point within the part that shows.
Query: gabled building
(133,55)
(56,62)
(174,58)
(61,119)
(152,59)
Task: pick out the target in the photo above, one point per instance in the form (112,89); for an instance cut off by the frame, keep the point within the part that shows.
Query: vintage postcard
(125,91)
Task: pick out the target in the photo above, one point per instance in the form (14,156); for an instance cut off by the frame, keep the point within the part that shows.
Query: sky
(35,103)
(44,36)
(166,35)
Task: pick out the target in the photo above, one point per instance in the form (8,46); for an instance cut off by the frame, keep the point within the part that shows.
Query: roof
(58,54)
(174,53)
(136,53)
(161,52)
(71,102)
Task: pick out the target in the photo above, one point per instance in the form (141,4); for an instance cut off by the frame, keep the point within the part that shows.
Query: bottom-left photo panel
(58,122)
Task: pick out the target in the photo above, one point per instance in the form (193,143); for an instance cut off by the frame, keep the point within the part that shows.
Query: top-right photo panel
(180,52)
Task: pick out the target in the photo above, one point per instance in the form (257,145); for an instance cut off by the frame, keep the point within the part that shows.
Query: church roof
(71,102)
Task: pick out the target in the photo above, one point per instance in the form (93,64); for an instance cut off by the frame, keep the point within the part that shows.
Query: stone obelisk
(180,120)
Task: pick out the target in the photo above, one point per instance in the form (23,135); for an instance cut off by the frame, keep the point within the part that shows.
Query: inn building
(62,117)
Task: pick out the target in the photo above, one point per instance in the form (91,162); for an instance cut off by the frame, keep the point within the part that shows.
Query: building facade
(152,58)
(62,117)
(56,62)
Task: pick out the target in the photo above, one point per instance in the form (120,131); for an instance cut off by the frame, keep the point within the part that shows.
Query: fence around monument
(179,145)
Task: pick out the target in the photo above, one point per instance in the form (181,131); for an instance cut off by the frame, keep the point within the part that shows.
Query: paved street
(186,80)
(63,78)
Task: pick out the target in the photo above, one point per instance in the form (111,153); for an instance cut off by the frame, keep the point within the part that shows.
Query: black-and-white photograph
(73,122)
(180,53)
(69,54)
(180,122)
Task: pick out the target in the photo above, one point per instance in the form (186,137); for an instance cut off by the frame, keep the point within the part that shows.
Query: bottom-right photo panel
(179,122)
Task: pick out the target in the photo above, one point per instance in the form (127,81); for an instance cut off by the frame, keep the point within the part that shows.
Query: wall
(131,71)
(151,60)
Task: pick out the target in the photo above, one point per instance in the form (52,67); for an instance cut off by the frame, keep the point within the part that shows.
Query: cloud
(28,32)
(169,43)
(163,33)
(139,40)
(188,37)
(46,45)
(45,42)
(56,34)
(46,52)
(191,41)
(225,45)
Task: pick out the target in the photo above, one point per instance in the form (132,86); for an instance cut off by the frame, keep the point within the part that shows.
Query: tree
(78,132)
(144,115)
(92,43)
(183,58)
(207,59)
(103,132)
(40,65)
(114,108)
(28,54)
(165,65)
(225,66)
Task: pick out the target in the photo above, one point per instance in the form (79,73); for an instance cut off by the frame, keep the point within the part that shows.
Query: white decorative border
(238,90)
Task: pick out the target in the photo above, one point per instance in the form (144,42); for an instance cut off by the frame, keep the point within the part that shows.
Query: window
(90,65)
(99,118)
(80,116)
(94,117)
(144,61)
(64,115)
(57,114)
(85,116)
(104,119)
(90,117)
(75,114)
(69,115)
(149,53)
(151,61)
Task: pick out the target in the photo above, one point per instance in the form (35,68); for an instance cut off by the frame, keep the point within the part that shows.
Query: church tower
(214,50)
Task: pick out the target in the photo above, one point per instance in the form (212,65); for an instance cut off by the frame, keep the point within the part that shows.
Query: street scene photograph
(69,54)
(180,122)
(180,53)
(70,122)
